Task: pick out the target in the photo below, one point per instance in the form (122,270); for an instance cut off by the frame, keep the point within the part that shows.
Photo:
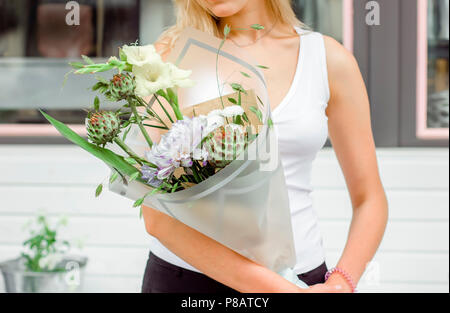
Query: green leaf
(114,176)
(232,100)
(131,161)
(138,202)
(270,122)
(257,112)
(110,158)
(245,117)
(122,55)
(87,60)
(102,80)
(257,26)
(134,176)
(226,30)
(174,188)
(263,67)
(76,65)
(245,74)
(238,87)
(125,133)
(99,190)
(96,104)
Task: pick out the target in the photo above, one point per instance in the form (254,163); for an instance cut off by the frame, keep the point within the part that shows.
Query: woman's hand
(335,284)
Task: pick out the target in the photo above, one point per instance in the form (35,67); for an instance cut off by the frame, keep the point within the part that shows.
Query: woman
(323,94)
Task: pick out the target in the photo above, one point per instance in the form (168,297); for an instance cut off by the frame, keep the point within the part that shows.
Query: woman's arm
(212,258)
(351,135)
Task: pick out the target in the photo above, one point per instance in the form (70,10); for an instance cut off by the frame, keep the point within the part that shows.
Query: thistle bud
(121,87)
(103,127)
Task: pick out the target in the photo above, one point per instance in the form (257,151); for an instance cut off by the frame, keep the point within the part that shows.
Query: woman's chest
(301,125)
(279,61)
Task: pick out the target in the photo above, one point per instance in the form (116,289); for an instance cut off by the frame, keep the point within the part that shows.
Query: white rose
(232,111)
(141,55)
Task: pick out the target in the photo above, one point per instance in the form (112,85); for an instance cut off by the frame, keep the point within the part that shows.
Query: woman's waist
(300,197)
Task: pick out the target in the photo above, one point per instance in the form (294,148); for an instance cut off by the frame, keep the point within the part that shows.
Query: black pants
(163,277)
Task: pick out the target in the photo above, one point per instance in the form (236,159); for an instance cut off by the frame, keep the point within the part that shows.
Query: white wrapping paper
(245,206)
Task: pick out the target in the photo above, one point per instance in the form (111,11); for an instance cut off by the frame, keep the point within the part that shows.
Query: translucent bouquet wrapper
(245,205)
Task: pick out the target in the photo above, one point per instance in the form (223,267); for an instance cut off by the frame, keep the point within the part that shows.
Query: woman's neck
(254,13)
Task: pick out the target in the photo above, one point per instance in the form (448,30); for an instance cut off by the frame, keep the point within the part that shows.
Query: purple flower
(179,147)
(150,175)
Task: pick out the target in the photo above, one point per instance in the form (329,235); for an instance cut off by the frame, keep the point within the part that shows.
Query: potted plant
(44,265)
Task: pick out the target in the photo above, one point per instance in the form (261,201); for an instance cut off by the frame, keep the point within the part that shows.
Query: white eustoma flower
(141,55)
(152,77)
(232,111)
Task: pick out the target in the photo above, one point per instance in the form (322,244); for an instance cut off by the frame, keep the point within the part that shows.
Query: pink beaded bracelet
(344,274)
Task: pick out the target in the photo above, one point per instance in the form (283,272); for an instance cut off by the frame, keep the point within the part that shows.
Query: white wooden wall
(61,180)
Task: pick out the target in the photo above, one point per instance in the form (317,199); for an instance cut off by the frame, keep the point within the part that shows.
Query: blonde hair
(194,13)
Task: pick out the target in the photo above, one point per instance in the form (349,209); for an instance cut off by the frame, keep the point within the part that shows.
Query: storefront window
(433,69)
(36,43)
(330,17)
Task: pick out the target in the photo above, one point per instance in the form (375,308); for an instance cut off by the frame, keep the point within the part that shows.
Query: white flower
(50,261)
(232,111)
(156,75)
(214,122)
(141,55)
(151,77)
(179,77)
(215,113)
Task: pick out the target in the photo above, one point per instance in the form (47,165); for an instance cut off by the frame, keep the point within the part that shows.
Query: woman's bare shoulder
(340,61)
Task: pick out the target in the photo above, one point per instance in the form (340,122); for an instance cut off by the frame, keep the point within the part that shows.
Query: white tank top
(302,129)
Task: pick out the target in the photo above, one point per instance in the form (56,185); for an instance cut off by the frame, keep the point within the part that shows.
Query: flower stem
(139,122)
(125,148)
(173,100)
(165,111)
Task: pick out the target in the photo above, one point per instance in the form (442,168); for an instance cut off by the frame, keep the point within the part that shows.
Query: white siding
(61,179)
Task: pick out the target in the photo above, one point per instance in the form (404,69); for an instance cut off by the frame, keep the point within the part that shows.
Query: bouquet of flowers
(215,166)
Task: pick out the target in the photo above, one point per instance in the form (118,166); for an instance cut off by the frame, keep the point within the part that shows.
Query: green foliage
(257,27)
(98,190)
(42,245)
(238,88)
(257,112)
(96,104)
